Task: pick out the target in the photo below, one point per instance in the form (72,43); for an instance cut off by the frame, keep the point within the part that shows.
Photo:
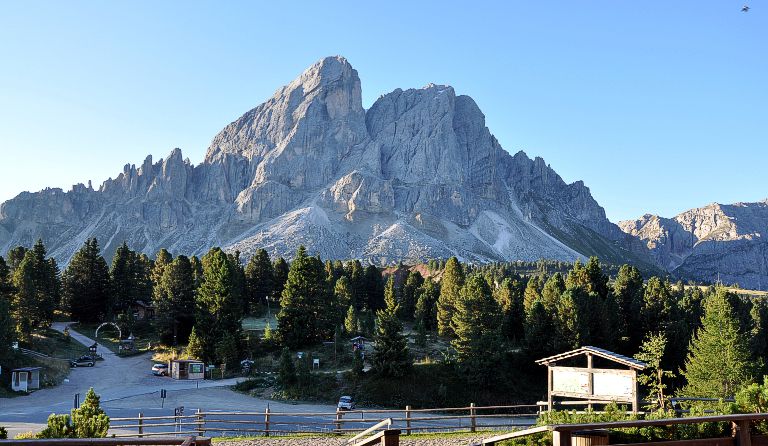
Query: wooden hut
(25,379)
(187,369)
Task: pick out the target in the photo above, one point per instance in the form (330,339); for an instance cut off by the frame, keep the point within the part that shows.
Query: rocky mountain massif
(416,176)
(715,242)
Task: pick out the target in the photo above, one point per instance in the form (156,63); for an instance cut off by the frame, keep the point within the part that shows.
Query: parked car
(346,403)
(83,361)
(160,369)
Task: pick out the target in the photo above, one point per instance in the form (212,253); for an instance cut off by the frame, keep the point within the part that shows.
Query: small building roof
(603,353)
(26,369)
(359,338)
(186,360)
(141,303)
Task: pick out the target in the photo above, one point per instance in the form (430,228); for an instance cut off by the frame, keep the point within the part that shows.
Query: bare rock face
(715,242)
(416,176)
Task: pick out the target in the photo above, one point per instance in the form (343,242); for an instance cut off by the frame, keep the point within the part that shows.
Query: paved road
(114,379)
(127,387)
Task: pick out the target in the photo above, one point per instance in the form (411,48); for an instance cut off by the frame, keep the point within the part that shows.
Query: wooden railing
(167,441)
(408,420)
(562,434)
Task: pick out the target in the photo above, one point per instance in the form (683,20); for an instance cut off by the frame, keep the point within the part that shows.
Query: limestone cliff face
(714,242)
(416,176)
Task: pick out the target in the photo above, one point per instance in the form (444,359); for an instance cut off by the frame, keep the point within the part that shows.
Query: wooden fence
(563,434)
(408,420)
(168,441)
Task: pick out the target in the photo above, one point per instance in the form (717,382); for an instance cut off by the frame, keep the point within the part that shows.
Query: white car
(346,403)
(160,369)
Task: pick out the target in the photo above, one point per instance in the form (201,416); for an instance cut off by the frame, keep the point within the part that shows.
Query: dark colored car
(83,361)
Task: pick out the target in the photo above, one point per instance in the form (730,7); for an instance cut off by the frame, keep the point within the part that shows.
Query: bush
(3,433)
(59,426)
(87,421)
(25,436)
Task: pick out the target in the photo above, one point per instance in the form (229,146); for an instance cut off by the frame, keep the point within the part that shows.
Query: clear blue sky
(658,106)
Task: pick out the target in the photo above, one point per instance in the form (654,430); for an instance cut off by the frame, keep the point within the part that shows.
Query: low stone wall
(448,440)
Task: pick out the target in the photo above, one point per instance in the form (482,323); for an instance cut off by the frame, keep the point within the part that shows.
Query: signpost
(591,383)
(178,413)
(163,394)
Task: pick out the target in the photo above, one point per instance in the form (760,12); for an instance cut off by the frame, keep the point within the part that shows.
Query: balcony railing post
(141,424)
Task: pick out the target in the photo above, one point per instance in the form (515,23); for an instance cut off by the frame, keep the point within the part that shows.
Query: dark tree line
(488,313)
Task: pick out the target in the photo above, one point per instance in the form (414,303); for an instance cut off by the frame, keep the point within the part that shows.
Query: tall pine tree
(86,284)
(390,355)
(478,330)
(450,287)
(718,362)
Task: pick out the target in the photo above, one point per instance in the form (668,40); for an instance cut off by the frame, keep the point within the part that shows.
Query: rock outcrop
(713,243)
(416,176)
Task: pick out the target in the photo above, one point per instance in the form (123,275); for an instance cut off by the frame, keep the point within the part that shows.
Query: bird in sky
(745,8)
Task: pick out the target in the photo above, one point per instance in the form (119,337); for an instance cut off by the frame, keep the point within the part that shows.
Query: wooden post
(200,423)
(407,420)
(266,422)
(590,381)
(549,388)
(391,438)
(743,436)
(141,424)
(636,393)
(561,438)
(339,415)
(472,417)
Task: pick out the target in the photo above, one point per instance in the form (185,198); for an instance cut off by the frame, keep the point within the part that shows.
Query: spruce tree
(478,330)
(342,298)
(541,335)
(654,375)
(426,304)
(47,284)
(553,289)
(7,324)
(174,301)
(390,355)
(124,291)
(303,295)
(718,361)
(86,285)
(25,301)
(357,282)
(196,346)
(374,288)
(281,270)
(89,420)
(218,301)
(15,256)
(259,279)
(450,287)
(410,294)
(628,293)
(532,292)
(351,321)
(510,300)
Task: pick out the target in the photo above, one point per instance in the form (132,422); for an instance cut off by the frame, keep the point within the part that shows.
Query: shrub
(3,433)
(59,426)
(25,436)
(87,421)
